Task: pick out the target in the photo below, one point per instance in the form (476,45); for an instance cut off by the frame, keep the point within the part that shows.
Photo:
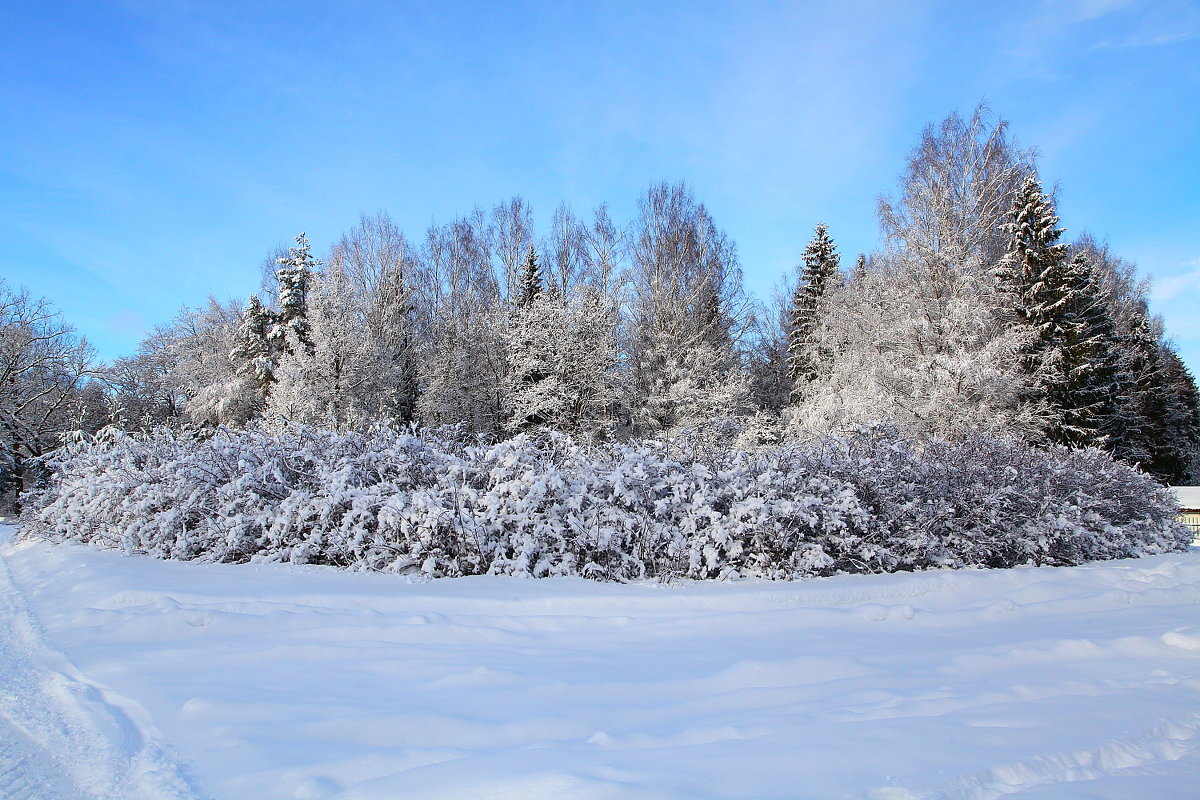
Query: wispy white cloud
(1100,25)
(1139,23)
(1151,37)
(1171,287)
(1091,9)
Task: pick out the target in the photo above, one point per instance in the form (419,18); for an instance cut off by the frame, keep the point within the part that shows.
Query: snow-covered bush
(444,504)
(986,501)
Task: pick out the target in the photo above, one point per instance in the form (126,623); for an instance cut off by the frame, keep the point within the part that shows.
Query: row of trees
(975,315)
(46,385)
(595,330)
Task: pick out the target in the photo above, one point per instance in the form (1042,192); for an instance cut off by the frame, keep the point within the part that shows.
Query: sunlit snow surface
(261,681)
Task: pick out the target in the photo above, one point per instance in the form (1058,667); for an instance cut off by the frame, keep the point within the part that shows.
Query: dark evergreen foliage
(530,283)
(1172,411)
(817,277)
(1034,273)
(1084,385)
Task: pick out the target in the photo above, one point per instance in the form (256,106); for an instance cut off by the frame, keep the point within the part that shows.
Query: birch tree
(383,274)
(688,310)
(464,367)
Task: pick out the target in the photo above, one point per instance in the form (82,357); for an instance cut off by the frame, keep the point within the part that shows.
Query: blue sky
(152,153)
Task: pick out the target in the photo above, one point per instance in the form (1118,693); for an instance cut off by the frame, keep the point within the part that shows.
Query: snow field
(61,736)
(276,681)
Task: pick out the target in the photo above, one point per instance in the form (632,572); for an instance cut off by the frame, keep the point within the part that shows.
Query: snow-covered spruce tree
(1032,266)
(818,275)
(251,354)
(1098,364)
(560,338)
(1175,449)
(533,341)
(530,283)
(860,268)
(1130,428)
(505,237)
(687,311)
(1034,274)
(1160,431)
(1088,367)
(295,277)
(1131,440)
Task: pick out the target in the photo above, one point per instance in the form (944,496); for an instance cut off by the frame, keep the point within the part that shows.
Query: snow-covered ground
(132,678)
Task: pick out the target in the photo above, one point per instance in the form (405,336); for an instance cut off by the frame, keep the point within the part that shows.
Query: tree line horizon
(974,316)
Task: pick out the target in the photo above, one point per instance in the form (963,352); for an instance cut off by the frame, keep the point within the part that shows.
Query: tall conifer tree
(1034,273)
(295,280)
(251,354)
(530,283)
(860,269)
(1087,368)
(1175,439)
(817,276)
(531,396)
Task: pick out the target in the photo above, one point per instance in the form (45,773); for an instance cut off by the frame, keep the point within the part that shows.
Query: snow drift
(393,500)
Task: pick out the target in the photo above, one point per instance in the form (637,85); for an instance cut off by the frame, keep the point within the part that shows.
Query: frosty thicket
(435,503)
(976,322)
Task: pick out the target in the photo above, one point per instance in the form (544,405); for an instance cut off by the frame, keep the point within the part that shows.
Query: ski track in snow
(63,737)
(268,681)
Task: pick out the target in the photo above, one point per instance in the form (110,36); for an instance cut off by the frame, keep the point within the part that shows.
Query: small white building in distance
(1189,507)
